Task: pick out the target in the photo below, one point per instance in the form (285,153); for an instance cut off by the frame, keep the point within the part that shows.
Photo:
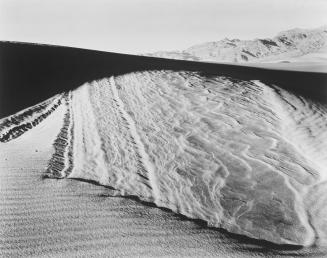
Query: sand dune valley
(114,155)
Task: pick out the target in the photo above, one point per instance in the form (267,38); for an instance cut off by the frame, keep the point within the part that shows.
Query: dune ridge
(60,164)
(211,148)
(15,125)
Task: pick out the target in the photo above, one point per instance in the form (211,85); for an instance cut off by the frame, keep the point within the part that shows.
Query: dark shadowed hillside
(31,73)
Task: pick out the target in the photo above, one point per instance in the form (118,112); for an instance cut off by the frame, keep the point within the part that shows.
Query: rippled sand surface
(239,155)
(68,218)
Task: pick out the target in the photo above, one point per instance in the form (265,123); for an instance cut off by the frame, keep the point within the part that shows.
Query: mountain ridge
(283,47)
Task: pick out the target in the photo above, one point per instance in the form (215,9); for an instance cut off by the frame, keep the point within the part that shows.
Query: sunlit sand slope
(69,218)
(237,154)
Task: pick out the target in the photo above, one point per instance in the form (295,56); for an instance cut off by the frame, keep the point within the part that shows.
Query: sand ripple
(239,155)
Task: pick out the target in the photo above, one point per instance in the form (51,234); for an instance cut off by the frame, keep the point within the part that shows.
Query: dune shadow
(243,243)
(31,73)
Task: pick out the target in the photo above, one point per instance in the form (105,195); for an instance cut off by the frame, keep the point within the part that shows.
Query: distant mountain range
(287,46)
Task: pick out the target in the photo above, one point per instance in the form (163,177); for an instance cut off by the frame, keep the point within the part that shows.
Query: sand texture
(239,155)
(114,155)
(71,218)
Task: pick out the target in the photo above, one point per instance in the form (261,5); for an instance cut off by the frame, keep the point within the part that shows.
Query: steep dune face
(239,155)
(287,45)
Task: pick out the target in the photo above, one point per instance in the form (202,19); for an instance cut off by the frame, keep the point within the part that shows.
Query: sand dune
(69,218)
(64,218)
(42,74)
(241,149)
(237,154)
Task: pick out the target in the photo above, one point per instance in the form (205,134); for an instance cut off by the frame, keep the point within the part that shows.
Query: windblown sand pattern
(237,154)
(70,218)
(15,125)
(60,164)
(240,155)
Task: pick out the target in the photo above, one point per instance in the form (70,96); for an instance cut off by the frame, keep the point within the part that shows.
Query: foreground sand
(68,218)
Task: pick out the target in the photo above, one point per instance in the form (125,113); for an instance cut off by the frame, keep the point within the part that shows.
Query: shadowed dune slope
(31,73)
